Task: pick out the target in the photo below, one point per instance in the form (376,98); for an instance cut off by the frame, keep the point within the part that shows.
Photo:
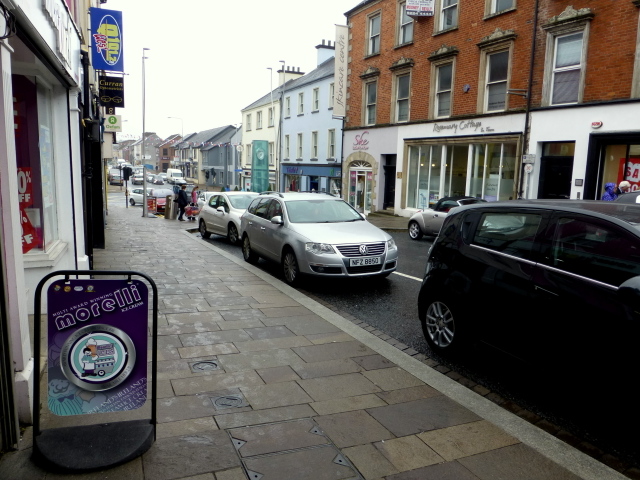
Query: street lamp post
(145,211)
(281,120)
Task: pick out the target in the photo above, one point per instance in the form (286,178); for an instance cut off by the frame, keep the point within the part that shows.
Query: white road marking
(408,276)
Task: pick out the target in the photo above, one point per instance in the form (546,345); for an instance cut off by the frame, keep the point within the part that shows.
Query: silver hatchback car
(315,234)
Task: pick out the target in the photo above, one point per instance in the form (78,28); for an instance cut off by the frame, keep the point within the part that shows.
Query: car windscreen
(241,202)
(321,211)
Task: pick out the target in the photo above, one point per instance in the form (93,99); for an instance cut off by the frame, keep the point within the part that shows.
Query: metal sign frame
(66,449)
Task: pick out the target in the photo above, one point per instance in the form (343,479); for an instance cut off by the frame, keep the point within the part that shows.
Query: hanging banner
(111,91)
(420,8)
(340,73)
(260,166)
(97,346)
(106,31)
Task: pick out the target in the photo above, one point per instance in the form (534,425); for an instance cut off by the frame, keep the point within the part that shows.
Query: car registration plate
(362,262)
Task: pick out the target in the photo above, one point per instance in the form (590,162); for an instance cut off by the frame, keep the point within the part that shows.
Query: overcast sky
(209,58)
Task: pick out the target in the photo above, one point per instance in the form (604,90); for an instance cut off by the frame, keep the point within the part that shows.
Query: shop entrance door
(389,182)
(360,179)
(555,177)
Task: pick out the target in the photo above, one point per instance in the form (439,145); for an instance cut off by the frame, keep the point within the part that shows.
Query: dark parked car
(631,197)
(535,279)
(429,221)
(161,197)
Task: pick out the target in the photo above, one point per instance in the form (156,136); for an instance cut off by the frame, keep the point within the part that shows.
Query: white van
(175,177)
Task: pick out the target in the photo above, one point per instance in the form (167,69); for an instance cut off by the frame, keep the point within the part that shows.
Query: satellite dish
(239,148)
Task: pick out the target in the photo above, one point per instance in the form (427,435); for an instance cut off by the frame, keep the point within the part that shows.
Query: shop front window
(622,162)
(35,164)
(484,171)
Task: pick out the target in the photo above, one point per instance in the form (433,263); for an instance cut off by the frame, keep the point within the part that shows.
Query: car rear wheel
(442,326)
(248,254)
(232,234)
(203,230)
(132,202)
(414,231)
(290,268)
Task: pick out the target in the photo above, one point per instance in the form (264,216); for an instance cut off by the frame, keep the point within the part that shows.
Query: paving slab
(327,368)
(272,343)
(178,457)
(373,362)
(347,404)
(260,359)
(320,463)
(275,395)
(212,383)
(467,439)
(332,351)
(408,453)
(174,409)
(421,415)
(352,428)
(209,338)
(186,427)
(392,378)
(515,462)
(442,471)
(335,386)
(278,414)
(278,374)
(371,463)
(277,437)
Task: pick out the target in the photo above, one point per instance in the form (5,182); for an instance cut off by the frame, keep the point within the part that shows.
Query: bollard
(170,209)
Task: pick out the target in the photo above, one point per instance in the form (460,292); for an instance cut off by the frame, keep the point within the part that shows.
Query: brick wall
(611,53)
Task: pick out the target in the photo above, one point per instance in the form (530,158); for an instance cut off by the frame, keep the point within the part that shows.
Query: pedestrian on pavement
(227,189)
(624,187)
(183,201)
(609,192)
(194,195)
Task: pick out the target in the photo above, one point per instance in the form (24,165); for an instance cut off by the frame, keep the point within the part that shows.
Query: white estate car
(221,213)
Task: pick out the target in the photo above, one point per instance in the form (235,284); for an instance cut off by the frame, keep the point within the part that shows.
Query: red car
(161,197)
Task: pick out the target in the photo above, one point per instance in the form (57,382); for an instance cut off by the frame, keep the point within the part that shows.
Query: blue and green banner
(106,32)
(260,166)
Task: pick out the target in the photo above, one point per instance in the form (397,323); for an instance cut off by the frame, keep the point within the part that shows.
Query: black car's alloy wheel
(414,231)
(290,268)
(248,254)
(440,327)
(203,230)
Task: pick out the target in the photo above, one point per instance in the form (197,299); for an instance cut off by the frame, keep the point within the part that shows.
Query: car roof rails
(270,192)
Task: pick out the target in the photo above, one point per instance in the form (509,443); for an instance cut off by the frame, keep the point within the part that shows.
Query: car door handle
(262,228)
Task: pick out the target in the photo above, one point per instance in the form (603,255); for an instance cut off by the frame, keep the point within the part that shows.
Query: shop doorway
(360,182)
(555,177)
(389,181)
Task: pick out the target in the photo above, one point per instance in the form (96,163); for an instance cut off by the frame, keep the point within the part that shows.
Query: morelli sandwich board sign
(97,331)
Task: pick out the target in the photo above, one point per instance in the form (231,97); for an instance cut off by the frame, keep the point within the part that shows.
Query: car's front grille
(354,250)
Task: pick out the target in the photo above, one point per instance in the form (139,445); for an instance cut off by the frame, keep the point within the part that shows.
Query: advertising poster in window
(260,166)
(29,215)
(420,8)
(630,171)
(97,346)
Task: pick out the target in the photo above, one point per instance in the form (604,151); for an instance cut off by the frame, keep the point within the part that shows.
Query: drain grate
(229,401)
(204,366)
